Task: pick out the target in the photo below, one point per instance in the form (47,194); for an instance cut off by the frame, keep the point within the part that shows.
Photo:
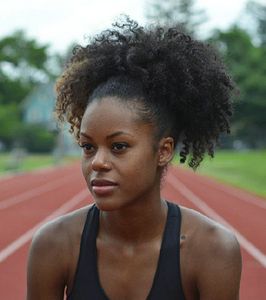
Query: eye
(119,147)
(87,148)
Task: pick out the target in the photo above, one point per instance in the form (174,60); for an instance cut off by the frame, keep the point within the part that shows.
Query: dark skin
(132,219)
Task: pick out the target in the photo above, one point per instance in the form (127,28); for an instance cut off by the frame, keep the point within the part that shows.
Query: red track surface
(28,200)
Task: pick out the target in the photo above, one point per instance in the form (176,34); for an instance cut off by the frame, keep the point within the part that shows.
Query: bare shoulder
(58,233)
(215,255)
(209,236)
(53,253)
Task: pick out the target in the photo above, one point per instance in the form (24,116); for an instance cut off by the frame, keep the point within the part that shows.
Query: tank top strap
(167,281)
(85,285)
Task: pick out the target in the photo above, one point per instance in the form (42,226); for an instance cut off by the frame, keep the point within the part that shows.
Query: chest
(128,272)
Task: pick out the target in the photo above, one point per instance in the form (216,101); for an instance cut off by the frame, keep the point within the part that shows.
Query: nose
(100,162)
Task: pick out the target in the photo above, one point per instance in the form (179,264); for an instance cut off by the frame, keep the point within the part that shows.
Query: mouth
(103,187)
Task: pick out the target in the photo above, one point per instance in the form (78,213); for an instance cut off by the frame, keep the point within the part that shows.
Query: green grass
(246,170)
(30,162)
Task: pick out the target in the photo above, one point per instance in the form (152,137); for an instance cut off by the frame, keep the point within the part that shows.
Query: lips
(103,187)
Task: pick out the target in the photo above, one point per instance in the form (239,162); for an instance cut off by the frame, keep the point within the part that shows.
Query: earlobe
(165,151)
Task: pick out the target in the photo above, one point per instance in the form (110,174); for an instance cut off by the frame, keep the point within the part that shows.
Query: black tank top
(167,280)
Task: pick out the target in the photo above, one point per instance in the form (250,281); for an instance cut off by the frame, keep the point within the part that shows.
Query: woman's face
(119,162)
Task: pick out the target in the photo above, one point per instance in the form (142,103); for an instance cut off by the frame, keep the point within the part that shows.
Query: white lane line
(24,238)
(249,198)
(34,192)
(237,193)
(188,194)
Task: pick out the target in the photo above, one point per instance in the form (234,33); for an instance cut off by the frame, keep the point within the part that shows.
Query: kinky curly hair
(177,83)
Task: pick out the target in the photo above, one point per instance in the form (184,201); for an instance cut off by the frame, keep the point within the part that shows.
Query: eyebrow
(117,133)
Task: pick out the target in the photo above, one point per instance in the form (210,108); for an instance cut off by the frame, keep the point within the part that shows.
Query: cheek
(141,168)
(140,181)
(85,167)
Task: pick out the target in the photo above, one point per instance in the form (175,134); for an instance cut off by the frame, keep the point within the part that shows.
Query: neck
(141,222)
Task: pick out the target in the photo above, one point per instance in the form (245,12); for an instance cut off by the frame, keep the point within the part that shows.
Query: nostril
(100,165)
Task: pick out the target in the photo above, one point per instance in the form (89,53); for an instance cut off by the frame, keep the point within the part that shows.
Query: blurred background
(37,37)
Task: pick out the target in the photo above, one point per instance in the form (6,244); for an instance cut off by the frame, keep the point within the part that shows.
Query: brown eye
(87,148)
(119,147)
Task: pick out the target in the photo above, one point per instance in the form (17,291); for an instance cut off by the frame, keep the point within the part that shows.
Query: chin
(105,204)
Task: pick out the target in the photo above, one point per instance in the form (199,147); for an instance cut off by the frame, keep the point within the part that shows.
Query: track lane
(26,236)
(243,215)
(13,269)
(208,211)
(29,212)
(254,275)
(35,192)
(17,184)
(18,223)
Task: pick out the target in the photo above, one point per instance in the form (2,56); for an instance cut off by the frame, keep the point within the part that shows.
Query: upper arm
(46,265)
(220,267)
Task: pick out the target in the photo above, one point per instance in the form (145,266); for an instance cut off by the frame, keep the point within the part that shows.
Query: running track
(28,200)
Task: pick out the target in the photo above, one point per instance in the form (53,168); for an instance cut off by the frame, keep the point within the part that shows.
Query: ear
(165,151)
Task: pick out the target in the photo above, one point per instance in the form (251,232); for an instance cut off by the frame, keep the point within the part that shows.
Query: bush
(36,138)
(10,124)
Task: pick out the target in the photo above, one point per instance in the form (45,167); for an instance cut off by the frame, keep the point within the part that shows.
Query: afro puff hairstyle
(181,83)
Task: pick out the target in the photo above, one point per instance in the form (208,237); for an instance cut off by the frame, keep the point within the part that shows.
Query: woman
(131,96)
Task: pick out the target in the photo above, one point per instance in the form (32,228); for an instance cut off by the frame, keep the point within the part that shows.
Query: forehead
(110,114)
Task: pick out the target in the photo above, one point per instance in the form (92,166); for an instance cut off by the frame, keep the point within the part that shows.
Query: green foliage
(173,11)
(247,64)
(32,137)
(9,124)
(245,60)
(36,138)
(258,12)
(22,65)
(19,50)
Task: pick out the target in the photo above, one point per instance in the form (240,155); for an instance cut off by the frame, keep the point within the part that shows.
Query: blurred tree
(36,139)
(247,64)
(258,12)
(15,133)
(22,65)
(173,11)
(9,124)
